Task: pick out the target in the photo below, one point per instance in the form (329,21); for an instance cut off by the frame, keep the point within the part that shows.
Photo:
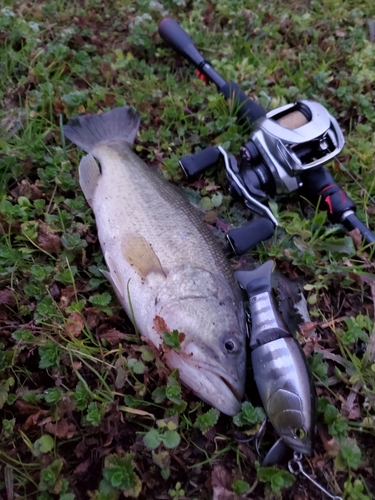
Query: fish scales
(158,212)
(161,254)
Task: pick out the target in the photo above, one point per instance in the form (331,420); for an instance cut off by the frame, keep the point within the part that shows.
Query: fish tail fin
(113,125)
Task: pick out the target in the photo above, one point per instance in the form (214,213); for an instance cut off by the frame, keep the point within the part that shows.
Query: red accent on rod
(325,189)
(202,77)
(329,203)
(343,196)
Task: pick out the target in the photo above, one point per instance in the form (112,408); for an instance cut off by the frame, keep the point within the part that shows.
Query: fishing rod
(285,153)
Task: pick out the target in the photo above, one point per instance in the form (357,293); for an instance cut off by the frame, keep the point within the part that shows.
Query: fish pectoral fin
(114,277)
(139,253)
(89,174)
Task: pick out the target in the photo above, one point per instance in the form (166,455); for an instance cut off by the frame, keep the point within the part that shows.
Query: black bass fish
(161,256)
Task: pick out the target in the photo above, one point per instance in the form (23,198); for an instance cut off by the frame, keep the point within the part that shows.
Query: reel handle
(197,163)
(243,238)
(245,109)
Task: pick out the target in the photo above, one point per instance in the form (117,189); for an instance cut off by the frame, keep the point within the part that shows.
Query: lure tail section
(266,323)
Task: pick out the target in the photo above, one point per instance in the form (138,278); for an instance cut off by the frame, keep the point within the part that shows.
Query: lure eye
(300,433)
(230,345)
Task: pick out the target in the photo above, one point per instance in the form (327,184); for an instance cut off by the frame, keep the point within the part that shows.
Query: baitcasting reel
(285,153)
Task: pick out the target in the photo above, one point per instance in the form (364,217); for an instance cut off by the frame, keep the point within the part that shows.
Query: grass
(87,410)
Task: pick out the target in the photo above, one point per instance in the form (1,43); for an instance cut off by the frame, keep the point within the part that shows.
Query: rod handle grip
(177,38)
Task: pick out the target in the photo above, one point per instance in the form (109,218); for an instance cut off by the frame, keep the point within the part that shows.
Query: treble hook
(296,461)
(258,436)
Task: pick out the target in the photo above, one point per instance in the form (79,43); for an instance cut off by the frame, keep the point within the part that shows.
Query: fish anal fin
(140,255)
(89,174)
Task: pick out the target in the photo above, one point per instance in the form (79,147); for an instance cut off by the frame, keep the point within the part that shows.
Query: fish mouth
(208,382)
(235,392)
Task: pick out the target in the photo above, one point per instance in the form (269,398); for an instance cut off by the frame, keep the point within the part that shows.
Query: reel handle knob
(243,238)
(195,164)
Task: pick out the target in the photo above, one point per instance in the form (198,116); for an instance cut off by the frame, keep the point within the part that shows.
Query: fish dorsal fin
(89,174)
(139,253)
(114,276)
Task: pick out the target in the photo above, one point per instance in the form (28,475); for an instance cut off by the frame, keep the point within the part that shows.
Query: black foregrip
(177,38)
(351,222)
(246,110)
(193,165)
(319,183)
(243,238)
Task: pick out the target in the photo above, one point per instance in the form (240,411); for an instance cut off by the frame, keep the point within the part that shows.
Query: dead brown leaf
(160,326)
(352,413)
(113,336)
(81,449)
(331,446)
(28,190)
(66,297)
(198,184)
(221,481)
(77,365)
(25,408)
(47,241)
(289,270)
(33,419)
(66,405)
(75,324)
(246,450)
(210,217)
(309,346)
(59,107)
(356,237)
(110,100)
(350,408)
(83,467)
(318,462)
(62,429)
(54,291)
(212,187)
(307,328)
(7,298)
(92,315)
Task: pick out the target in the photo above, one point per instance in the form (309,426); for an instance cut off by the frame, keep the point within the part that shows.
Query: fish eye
(300,433)
(230,345)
